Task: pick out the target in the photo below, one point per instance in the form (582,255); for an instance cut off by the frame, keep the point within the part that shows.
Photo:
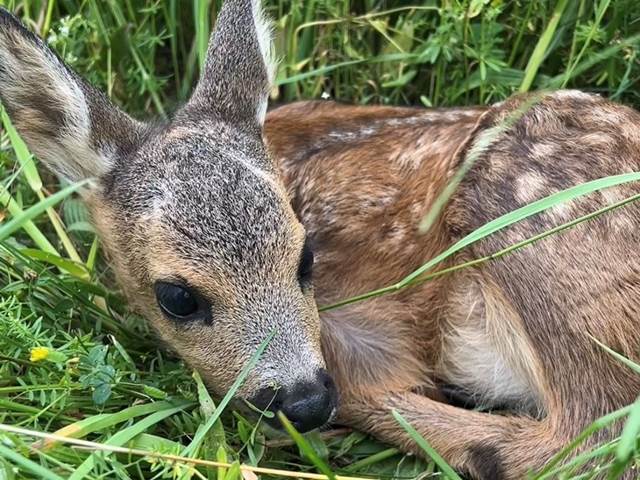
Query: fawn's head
(197,223)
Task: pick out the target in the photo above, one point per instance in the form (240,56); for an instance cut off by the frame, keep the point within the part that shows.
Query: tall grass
(74,361)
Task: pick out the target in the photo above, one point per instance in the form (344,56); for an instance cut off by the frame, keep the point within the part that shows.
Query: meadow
(75,361)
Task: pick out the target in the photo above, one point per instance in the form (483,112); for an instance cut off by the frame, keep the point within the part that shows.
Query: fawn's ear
(67,123)
(239,68)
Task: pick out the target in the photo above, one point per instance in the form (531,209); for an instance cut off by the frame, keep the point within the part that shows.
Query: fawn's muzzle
(307,405)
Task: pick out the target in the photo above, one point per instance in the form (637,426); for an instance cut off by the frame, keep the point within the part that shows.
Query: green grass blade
(540,236)
(25,159)
(76,269)
(602,7)
(28,465)
(392,57)
(480,146)
(628,441)
(200,435)
(306,448)
(17,222)
(541,48)
(422,443)
(592,60)
(371,460)
(126,435)
(632,365)
(103,421)
(496,225)
(201,21)
(550,470)
(30,172)
(7,201)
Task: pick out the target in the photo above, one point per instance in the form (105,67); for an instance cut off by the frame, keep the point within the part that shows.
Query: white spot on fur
(542,150)
(611,195)
(618,220)
(425,117)
(561,212)
(349,135)
(573,95)
(529,187)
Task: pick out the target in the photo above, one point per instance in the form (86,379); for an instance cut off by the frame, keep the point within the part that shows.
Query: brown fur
(514,332)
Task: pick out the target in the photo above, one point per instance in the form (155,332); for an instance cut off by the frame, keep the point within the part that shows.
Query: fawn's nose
(307,405)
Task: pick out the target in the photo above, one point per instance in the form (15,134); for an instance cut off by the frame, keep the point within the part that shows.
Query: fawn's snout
(307,405)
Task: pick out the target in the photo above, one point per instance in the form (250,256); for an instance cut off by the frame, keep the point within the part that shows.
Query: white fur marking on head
(269,179)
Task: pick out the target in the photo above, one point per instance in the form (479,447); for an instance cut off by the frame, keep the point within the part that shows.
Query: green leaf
(154,443)
(76,269)
(207,406)
(126,435)
(6,470)
(318,444)
(101,393)
(221,456)
(234,472)
(28,465)
(402,80)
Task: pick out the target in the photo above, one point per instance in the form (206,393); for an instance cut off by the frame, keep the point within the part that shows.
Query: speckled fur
(512,334)
(200,199)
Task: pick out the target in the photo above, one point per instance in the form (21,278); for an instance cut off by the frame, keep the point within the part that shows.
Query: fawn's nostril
(310,405)
(307,405)
(268,399)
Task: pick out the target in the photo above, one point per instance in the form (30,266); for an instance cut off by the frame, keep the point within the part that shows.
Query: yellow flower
(39,353)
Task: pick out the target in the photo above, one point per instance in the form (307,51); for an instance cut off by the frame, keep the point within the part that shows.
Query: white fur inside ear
(264,30)
(262,111)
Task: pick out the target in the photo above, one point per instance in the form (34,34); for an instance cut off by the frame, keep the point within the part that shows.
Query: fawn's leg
(486,446)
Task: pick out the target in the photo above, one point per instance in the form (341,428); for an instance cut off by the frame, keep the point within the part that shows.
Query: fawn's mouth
(306,405)
(271,421)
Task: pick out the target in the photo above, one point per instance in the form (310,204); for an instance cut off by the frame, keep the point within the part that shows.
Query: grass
(73,360)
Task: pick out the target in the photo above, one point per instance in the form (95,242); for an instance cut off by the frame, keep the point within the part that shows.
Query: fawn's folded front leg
(486,446)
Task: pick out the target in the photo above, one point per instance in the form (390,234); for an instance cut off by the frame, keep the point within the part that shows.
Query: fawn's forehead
(210,194)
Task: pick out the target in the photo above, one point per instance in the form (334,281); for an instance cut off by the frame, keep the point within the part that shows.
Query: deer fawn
(212,239)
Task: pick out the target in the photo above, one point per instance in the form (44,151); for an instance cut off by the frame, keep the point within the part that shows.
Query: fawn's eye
(305,268)
(176,301)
